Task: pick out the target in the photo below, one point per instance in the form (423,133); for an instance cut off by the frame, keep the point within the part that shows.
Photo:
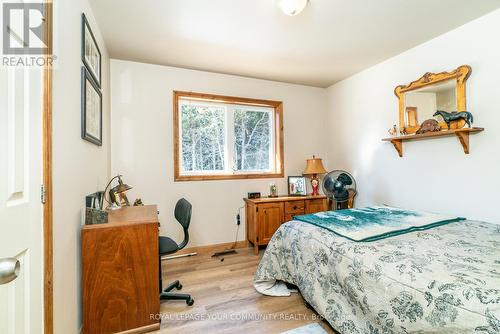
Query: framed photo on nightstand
(297,186)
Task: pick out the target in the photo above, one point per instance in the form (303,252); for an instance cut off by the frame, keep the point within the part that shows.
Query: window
(220,137)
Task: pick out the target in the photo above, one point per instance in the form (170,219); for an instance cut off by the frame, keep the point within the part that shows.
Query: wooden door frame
(48,301)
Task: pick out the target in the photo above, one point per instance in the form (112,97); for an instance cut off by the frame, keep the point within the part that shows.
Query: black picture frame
(97,76)
(87,78)
(294,180)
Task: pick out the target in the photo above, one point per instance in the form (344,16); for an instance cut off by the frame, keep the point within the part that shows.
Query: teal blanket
(375,222)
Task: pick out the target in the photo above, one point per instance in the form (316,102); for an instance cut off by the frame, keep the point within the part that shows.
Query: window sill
(180,178)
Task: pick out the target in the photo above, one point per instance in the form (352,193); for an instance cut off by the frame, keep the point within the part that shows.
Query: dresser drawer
(316,205)
(296,207)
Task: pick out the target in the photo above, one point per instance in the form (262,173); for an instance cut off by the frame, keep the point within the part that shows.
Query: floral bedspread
(442,280)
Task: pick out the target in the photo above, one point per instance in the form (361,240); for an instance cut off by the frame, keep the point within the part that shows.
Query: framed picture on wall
(91,109)
(91,55)
(297,186)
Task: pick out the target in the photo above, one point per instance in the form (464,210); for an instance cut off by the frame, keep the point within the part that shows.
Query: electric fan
(340,187)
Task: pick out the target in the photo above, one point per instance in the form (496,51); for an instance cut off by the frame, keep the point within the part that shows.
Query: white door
(21,233)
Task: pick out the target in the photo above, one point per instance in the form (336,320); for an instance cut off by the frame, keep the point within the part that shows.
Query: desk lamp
(121,188)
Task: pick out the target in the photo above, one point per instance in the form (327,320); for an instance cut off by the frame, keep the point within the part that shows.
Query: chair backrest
(183,215)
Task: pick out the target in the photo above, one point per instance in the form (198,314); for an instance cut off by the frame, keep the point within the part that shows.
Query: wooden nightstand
(265,215)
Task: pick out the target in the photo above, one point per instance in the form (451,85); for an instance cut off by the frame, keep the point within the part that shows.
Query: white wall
(433,174)
(79,167)
(142,143)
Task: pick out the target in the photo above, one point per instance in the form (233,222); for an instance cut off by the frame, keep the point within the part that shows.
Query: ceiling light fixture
(292,7)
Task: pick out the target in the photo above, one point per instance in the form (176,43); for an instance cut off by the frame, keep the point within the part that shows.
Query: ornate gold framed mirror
(419,100)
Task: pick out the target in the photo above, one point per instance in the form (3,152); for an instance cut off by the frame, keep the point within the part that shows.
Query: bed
(441,280)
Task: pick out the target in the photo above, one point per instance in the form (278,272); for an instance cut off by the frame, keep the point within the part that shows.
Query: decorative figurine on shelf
(430,125)
(273,190)
(314,167)
(138,202)
(455,116)
(403,131)
(393,131)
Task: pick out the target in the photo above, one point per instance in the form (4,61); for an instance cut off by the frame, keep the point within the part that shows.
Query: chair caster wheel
(190,302)
(179,286)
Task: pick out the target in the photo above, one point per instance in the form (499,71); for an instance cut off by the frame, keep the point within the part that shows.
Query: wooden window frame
(278,141)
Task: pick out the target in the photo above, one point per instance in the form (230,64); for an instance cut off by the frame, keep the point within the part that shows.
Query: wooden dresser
(265,215)
(120,286)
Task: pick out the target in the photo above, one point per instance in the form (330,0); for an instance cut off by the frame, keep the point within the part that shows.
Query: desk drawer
(296,207)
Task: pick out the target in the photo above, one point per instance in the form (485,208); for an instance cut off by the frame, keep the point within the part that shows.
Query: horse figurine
(455,116)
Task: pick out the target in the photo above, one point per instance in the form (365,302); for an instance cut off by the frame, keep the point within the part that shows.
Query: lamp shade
(314,166)
(121,187)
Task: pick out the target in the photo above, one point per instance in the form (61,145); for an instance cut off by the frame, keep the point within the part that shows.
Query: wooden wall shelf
(462,135)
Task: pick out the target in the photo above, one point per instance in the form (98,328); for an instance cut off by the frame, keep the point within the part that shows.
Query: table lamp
(121,188)
(313,168)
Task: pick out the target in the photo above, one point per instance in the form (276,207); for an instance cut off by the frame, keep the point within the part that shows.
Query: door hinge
(257,210)
(43,194)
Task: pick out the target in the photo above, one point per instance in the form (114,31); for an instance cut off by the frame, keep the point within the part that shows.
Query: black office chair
(168,246)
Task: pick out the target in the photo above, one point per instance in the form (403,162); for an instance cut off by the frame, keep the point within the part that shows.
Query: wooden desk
(265,215)
(120,272)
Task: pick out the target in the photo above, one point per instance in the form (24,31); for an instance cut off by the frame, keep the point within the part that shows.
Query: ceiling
(329,41)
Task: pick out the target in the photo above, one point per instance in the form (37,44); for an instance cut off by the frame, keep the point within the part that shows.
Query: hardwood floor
(225,300)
